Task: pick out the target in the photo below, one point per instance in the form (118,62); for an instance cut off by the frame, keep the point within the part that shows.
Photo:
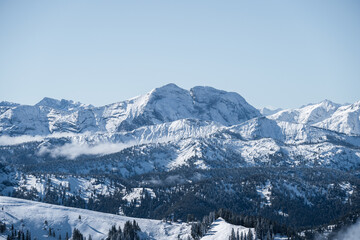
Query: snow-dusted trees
(77,235)
(129,232)
(2,227)
(232,236)
(250,235)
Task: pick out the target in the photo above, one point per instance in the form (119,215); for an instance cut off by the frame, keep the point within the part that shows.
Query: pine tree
(232,236)
(250,235)
(28,236)
(77,235)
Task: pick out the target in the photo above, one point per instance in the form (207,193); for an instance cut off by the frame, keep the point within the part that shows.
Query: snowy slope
(186,143)
(326,114)
(310,114)
(345,119)
(29,215)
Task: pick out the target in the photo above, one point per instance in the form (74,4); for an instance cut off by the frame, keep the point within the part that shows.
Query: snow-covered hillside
(39,217)
(220,230)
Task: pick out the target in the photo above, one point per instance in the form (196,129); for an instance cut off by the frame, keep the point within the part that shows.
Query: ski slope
(30,215)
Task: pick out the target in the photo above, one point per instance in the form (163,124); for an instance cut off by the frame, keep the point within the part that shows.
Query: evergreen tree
(77,235)
(232,236)
(250,235)
(28,235)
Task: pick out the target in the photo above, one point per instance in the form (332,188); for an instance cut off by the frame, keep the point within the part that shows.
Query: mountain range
(203,127)
(165,104)
(171,149)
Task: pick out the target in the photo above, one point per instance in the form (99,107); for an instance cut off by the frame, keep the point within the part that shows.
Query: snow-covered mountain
(310,114)
(185,143)
(269,111)
(171,128)
(326,115)
(164,104)
(175,136)
(345,119)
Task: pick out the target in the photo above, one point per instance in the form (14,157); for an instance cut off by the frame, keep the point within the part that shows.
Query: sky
(273,53)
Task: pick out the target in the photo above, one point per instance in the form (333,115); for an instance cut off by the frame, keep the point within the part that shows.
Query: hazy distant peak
(8,104)
(329,103)
(170,86)
(266,111)
(324,102)
(62,104)
(49,102)
(167,90)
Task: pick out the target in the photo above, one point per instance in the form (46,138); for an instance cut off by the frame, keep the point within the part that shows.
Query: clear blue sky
(273,53)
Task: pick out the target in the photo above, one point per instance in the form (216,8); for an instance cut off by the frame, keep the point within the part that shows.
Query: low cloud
(350,233)
(170,180)
(78,146)
(7,140)
(74,150)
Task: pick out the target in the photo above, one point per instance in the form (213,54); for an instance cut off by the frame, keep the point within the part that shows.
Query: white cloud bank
(74,150)
(79,145)
(350,233)
(346,233)
(7,140)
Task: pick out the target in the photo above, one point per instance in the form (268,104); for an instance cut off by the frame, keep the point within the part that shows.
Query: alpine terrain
(202,163)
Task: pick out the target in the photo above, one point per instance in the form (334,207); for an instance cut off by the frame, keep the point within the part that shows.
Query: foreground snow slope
(220,230)
(32,216)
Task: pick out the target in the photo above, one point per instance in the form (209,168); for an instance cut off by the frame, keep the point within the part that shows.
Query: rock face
(164,104)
